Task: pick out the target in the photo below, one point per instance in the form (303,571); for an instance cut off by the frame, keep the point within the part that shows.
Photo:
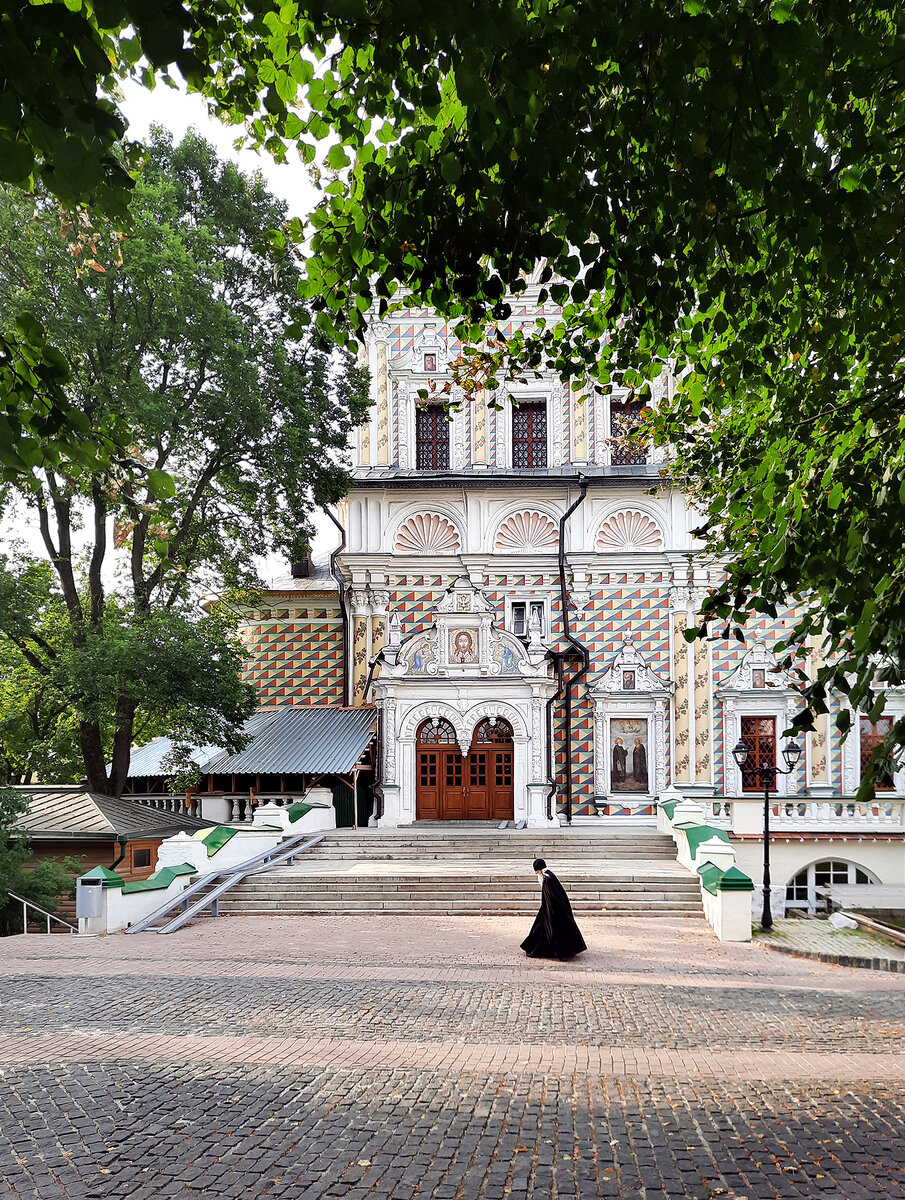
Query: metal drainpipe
(344,616)
(123,846)
(564,690)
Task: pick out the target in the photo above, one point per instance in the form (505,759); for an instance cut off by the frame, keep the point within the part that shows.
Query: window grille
(529,434)
(431,438)
(625,417)
(759,735)
(872,735)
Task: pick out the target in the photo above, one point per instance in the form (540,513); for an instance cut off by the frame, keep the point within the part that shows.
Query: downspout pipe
(344,616)
(564,689)
(123,843)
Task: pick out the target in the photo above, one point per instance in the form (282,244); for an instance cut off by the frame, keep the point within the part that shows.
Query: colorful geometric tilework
(296,661)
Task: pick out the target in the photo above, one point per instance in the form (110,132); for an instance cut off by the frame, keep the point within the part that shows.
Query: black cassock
(554,933)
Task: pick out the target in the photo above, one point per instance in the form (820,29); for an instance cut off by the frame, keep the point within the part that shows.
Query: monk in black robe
(620,755)
(639,763)
(554,933)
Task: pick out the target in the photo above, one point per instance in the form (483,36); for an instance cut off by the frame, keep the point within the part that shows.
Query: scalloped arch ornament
(629,530)
(427,533)
(526,532)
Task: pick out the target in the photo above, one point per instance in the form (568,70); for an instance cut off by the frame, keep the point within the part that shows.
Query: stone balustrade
(745,814)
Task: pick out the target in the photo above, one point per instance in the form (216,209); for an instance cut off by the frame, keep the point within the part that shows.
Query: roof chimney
(303,569)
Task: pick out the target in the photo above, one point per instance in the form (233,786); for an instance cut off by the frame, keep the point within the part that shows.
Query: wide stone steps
(484,872)
(489,907)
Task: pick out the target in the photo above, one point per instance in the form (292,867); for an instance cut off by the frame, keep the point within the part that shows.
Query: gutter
(564,684)
(344,616)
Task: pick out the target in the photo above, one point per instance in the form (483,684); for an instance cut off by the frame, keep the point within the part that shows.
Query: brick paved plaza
(409,1057)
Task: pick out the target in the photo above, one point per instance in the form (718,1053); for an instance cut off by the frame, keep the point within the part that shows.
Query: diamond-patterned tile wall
(295,655)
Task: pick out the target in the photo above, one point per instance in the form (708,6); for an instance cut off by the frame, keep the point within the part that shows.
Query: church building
(511,593)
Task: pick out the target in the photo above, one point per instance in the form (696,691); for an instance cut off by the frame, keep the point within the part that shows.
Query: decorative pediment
(758,671)
(630,672)
(629,529)
(463,641)
(526,533)
(463,597)
(429,354)
(427,533)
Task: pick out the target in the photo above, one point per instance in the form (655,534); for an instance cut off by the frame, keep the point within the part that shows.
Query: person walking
(554,933)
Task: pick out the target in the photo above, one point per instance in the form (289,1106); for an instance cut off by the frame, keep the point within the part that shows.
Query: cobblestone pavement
(348,1058)
(820,938)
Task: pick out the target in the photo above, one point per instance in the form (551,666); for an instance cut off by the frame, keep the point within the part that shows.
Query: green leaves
(161,485)
(201,426)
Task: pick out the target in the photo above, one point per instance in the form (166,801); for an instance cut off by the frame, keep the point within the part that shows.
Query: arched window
(802,890)
(493,733)
(436,732)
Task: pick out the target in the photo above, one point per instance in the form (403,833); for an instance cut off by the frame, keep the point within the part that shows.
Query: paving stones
(277,1132)
(643,1015)
(355,1061)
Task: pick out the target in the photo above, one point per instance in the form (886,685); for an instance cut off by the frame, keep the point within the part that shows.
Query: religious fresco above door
(629,758)
(462,648)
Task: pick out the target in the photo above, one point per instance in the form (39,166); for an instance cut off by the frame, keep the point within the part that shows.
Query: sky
(177,111)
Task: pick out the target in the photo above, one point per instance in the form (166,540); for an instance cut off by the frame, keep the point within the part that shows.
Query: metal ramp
(219,882)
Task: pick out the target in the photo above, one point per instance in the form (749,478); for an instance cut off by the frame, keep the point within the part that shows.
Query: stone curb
(895,966)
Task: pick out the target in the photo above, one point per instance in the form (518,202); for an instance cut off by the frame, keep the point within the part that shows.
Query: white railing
(48,916)
(745,814)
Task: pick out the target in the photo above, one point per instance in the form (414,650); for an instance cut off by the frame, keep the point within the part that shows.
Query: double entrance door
(476,788)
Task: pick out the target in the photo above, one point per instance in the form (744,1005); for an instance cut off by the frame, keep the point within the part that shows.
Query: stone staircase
(460,870)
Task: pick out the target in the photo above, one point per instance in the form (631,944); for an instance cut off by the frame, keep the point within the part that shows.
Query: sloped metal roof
(301,739)
(70,811)
(148,760)
(292,739)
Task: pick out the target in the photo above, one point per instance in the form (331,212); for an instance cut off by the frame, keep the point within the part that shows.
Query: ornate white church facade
(512,593)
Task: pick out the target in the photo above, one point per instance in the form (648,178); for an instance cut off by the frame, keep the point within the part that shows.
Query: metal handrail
(27,904)
(228,877)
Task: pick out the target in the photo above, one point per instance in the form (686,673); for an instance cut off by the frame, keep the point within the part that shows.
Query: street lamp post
(766,776)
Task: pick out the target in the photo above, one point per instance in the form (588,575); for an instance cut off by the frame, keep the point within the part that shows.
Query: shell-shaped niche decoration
(427,533)
(526,532)
(629,530)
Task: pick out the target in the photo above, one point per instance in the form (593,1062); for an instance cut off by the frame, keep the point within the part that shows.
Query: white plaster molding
(555,411)
(629,529)
(427,533)
(758,657)
(389,739)
(405,420)
(629,657)
(497,709)
(435,711)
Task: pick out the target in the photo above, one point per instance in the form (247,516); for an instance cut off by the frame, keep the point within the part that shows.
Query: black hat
(539,865)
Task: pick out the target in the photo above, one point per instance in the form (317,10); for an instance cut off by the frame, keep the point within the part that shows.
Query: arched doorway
(490,795)
(476,788)
(440,795)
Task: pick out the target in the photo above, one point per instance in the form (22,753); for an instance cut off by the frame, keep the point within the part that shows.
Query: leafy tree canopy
(233,430)
(712,182)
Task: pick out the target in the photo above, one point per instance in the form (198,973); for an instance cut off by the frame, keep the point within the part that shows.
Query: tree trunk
(93,756)
(122,747)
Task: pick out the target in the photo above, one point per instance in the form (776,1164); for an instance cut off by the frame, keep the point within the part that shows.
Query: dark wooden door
(439,787)
(759,735)
(491,794)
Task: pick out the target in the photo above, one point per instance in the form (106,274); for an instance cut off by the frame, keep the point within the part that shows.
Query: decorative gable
(758,671)
(631,673)
(428,355)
